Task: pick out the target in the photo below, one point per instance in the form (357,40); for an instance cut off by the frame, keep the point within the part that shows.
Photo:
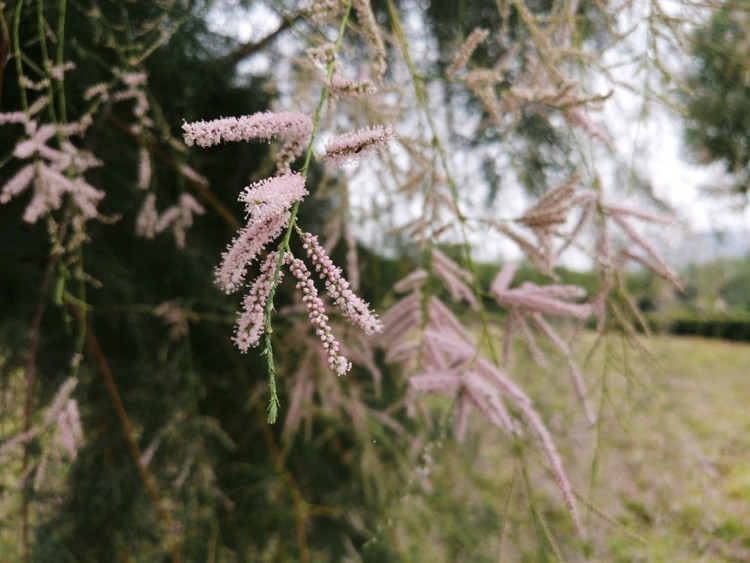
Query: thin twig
(135,451)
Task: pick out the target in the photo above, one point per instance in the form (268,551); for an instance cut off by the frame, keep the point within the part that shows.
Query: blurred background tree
(718,93)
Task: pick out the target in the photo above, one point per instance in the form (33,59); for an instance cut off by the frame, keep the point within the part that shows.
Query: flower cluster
(316,313)
(552,299)
(245,248)
(179,217)
(448,362)
(341,86)
(289,125)
(529,302)
(269,207)
(345,148)
(466,50)
(250,323)
(352,307)
(273,196)
(55,172)
(456,279)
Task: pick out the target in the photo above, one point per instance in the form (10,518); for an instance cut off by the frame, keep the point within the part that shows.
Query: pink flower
(244,249)
(18,183)
(541,299)
(273,196)
(403,317)
(289,125)
(353,307)
(249,327)
(49,188)
(186,208)
(13,117)
(345,148)
(413,281)
(179,217)
(316,313)
(144,169)
(443,382)
(148,217)
(456,278)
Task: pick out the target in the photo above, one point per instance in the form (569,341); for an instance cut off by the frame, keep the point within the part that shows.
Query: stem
(17,55)
(283,248)
(60,49)
(46,59)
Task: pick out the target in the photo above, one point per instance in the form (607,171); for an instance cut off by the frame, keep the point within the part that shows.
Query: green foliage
(719,93)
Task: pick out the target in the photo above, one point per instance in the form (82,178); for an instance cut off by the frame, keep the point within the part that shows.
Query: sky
(651,145)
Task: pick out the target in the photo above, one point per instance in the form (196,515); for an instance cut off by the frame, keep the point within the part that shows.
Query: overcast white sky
(653,145)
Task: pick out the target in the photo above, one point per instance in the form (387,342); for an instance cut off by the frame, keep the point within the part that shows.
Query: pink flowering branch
(316,312)
(352,306)
(249,325)
(244,249)
(456,279)
(55,172)
(346,148)
(272,206)
(289,125)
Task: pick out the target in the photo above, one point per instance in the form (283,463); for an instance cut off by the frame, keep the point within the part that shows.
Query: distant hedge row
(734,327)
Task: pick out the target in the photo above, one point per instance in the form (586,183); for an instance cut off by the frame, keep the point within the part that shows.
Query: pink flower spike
(536,301)
(289,125)
(249,327)
(244,249)
(345,148)
(316,313)
(273,196)
(353,307)
(455,278)
(17,183)
(147,219)
(412,281)
(503,278)
(443,382)
(13,117)
(402,318)
(639,213)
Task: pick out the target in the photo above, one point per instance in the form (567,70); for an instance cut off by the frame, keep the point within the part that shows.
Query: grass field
(677,469)
(664,475)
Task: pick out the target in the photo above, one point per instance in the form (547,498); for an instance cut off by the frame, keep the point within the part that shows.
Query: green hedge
(734,327)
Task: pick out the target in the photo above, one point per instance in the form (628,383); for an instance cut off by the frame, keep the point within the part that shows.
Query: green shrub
(734,327)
